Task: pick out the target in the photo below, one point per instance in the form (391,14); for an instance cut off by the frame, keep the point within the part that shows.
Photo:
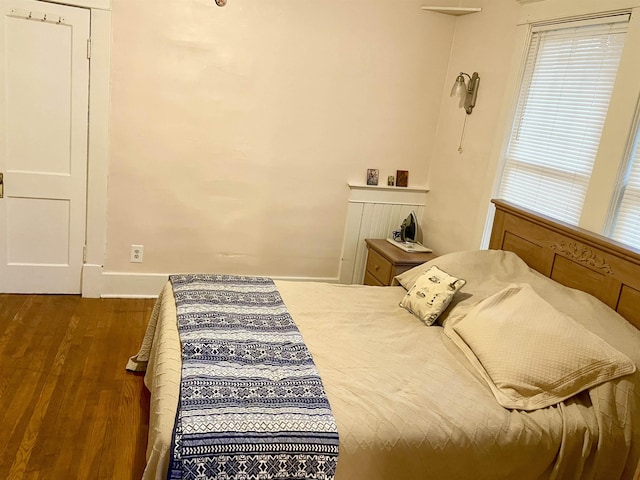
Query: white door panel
(31,240)
(23,184)
(39,100)
(43,151)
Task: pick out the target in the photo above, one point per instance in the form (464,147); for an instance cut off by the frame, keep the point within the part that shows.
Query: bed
(410,403)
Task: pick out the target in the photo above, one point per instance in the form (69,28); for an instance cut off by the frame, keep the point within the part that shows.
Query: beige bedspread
(406,402)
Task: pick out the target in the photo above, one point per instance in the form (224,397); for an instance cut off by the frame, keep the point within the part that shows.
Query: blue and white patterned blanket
(252,405)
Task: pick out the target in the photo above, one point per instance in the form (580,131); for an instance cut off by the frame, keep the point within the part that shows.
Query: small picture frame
(402,178)
(372,176)
(391,181)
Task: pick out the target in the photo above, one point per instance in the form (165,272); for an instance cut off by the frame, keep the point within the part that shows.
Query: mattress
(408,404)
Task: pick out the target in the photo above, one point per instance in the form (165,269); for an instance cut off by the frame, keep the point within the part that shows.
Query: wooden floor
(68,408)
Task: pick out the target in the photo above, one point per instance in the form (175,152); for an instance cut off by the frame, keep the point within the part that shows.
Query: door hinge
(88,48)
(84,254)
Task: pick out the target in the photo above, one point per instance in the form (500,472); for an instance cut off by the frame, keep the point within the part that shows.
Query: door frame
(98,139)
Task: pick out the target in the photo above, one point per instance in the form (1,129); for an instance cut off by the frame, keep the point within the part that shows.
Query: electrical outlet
(137,252)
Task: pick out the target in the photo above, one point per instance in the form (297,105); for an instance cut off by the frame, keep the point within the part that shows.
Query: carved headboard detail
(583,254)
(572,256)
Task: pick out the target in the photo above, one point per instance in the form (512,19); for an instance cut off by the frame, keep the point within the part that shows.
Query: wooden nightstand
(385,261)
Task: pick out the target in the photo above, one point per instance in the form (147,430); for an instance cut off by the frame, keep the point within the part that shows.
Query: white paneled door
(44,88)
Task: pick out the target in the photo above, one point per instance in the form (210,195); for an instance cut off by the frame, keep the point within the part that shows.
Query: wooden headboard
(571,256)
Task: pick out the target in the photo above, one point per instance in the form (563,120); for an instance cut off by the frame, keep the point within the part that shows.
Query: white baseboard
(132,285)
(91,280)
(148,285)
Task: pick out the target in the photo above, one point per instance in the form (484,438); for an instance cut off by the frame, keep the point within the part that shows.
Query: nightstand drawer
(371,280)
(378,267)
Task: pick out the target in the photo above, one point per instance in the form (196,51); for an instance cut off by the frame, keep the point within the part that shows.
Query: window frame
(632,155)
(618,125)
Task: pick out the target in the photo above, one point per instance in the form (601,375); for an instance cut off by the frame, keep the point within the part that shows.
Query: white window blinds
(564,97)
(626,223)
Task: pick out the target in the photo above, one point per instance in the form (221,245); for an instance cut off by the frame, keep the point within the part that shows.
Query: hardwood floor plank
(10,305)
(90,462)
(36,416)
(70,410)
(70,394)
(27,386)
(127,441)
(59,313)
(11,325)
(77,418)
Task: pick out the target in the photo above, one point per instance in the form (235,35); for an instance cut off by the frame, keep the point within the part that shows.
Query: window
(568,79)
(626,221)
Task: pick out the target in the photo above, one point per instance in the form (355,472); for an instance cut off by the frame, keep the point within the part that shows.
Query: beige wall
(461,183)
(235,130)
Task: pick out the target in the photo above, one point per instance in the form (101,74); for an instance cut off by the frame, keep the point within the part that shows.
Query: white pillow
(531,355)
(431,294)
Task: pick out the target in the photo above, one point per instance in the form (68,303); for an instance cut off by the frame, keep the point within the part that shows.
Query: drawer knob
(376,267)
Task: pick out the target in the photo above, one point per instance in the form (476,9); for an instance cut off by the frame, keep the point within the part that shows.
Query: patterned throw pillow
(431,294)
